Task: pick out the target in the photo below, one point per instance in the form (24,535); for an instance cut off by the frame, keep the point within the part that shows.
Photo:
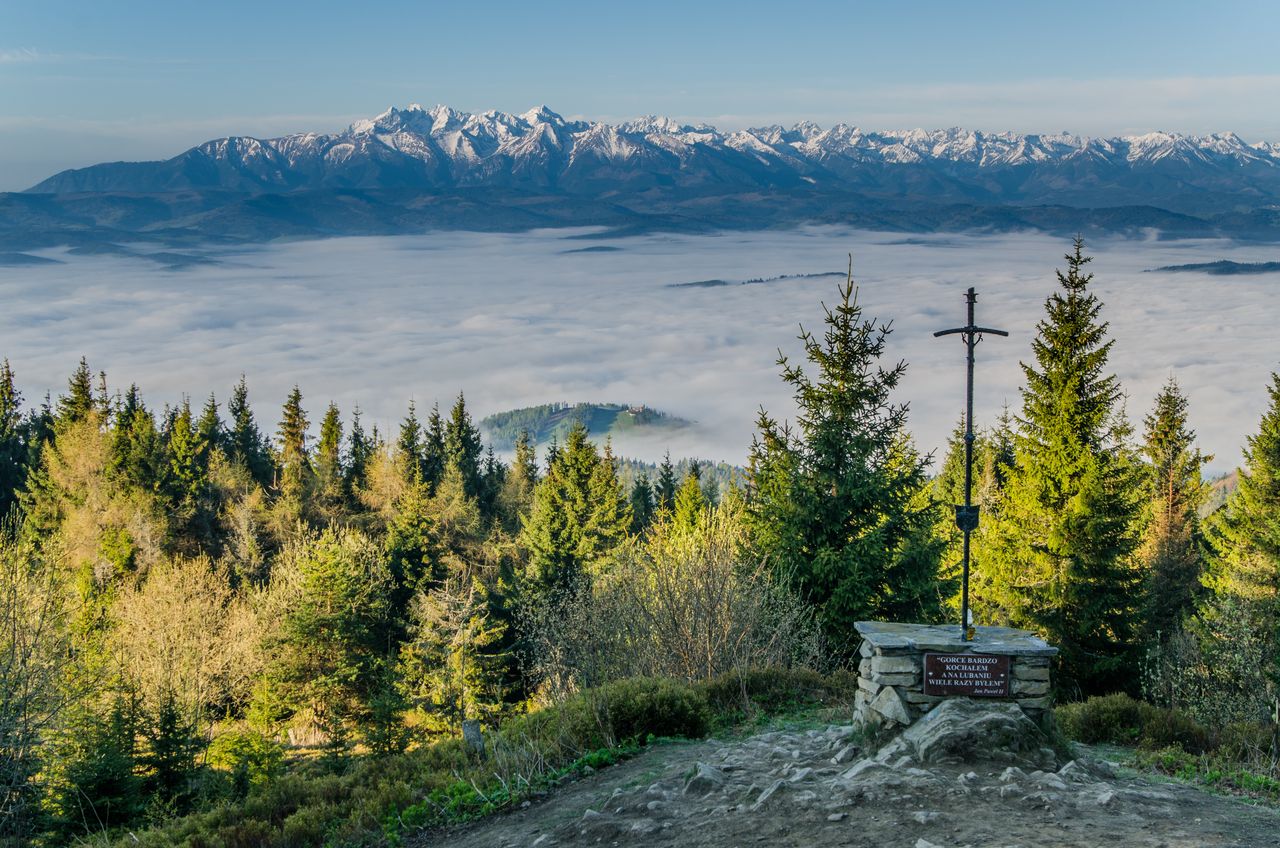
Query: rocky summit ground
(814,787)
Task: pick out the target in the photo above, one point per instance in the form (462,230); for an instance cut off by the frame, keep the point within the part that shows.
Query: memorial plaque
(976,675)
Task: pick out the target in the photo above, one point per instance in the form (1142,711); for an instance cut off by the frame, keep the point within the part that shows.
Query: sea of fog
(520,319)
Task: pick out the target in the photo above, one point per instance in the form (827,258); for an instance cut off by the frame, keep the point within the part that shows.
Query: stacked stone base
(891,670)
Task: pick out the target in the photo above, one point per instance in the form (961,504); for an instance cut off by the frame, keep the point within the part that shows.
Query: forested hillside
(216,630)
(554,421)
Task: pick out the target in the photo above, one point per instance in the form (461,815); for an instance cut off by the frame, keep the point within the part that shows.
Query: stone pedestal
(891,684)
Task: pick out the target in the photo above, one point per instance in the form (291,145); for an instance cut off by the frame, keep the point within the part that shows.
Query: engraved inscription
(977,675)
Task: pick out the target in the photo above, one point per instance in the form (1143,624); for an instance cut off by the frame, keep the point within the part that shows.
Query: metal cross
(967,515)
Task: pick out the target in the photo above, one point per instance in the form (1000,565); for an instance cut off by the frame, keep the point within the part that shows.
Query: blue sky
(82,82)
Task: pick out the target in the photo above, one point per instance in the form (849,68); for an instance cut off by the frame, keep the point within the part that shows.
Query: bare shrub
(687,603)
(35,652)
(183,634)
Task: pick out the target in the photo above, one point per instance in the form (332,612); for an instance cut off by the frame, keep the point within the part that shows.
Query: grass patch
(380,801)
(1236,758)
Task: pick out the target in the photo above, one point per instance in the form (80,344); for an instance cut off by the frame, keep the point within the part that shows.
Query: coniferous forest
(222,630)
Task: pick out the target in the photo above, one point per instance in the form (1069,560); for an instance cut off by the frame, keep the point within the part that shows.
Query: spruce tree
(839,505)
(1063,554)
(409,453)
(433,449)
(1244,572)
(137,448)
(516,494)
(13,447)
(463,448)
(245,442)
(665,489)
(690,503)
(330,479)
(209,428)
(293,458)
(360,450)
(579,515)
(187,479)
(1170,552)
(642,507)
(77,404)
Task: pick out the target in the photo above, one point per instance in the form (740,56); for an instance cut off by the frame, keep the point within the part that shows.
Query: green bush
(774,689)
(249,759)
(1171,760)
(1122,720)
(638,708)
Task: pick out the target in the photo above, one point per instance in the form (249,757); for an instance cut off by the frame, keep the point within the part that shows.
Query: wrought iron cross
(967,515)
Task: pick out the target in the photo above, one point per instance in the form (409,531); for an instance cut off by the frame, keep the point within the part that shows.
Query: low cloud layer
(515,320)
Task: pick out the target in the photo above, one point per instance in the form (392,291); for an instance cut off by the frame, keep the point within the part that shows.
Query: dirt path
(811,788)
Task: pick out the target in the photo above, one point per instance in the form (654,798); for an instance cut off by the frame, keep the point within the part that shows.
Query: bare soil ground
(812,787)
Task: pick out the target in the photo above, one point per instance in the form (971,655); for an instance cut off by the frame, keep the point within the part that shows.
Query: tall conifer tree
(1244,573)
(77,403)
(13,448)
(246,444)
(839,505)
(1063,559)
(1170,553)
(665,488)
(294,458)
(463,448)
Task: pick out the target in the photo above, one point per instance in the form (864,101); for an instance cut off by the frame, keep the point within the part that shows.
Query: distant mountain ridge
(416,168)
(443,148)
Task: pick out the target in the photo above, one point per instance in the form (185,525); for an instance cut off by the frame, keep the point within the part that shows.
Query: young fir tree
(409,457)
(690,503)
(665,489)
(642,506)
(137,449)
(209,428)
(463,448)
(1244,571)
(434,458)
(187,480)
(245,443)
(579,515)
(839,505)
(330,477)
(516,495)
(13,447)
(332,650)
(78,403)
(293,458)
(1062,560)
(448,666)
(1171,547)
(359,451)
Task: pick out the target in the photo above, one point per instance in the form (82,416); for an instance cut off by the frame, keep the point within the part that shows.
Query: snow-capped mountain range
(416,168)
(441,147)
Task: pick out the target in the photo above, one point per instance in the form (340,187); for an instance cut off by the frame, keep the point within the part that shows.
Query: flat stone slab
(947,638)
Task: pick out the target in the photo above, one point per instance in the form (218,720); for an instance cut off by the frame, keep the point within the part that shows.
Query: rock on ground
(936,786)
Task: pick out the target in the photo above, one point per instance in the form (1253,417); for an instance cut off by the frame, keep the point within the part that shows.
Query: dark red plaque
(978,675)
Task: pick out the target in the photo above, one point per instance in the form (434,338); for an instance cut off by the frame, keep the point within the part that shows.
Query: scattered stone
(836,817)
(925,816)
(801,774)
(845,754)
(705,779)
(768,793)
(924,843)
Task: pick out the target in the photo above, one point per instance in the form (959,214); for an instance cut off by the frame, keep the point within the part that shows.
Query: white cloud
(513,321)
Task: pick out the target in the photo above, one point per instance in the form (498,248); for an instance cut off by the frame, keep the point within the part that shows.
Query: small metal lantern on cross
(967,514)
